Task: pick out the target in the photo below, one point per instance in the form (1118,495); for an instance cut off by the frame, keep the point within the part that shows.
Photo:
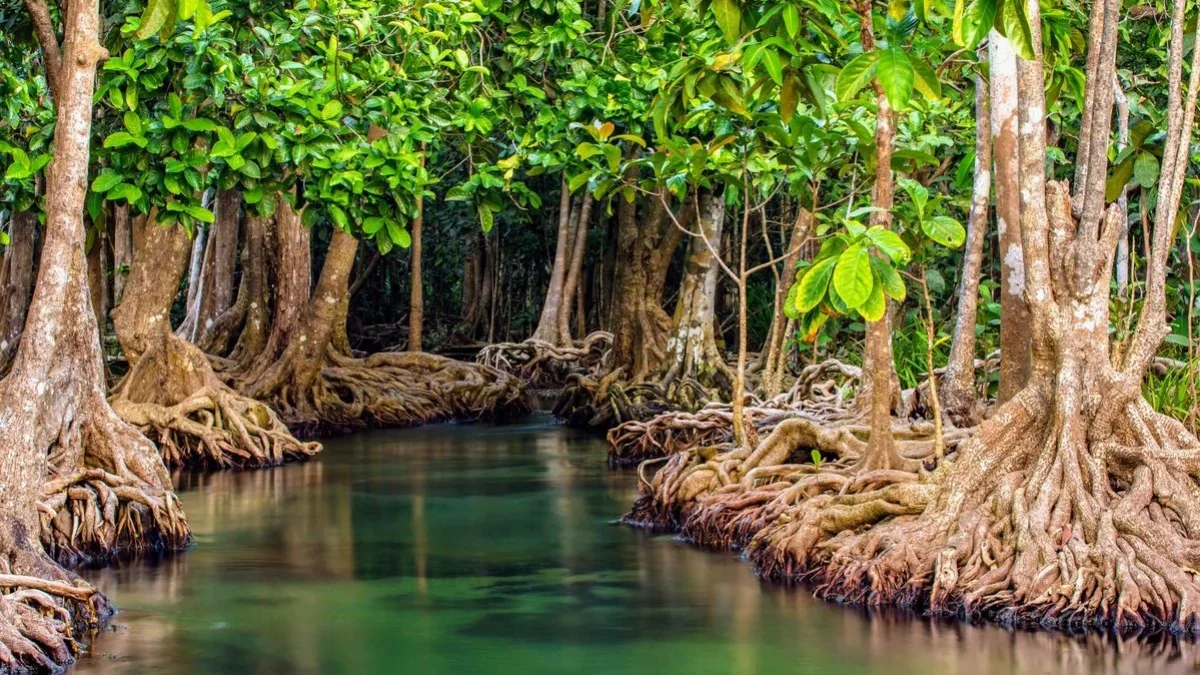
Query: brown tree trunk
(171,392)
(416,303)
(64,450)
(321,390)
(122,246)
(17,276)
(1014,313)
(97,266)
(292,283)
(957,389)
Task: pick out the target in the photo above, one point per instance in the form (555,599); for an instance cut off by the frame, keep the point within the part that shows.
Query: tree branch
(43,27)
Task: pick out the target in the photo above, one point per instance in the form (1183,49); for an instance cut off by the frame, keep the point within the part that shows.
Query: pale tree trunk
(575,270)
(957,389)
(547,328)
(775,354)
(1014,313)
(693,359)
(215,290)
(242,331)
(64,450)
(1122,261)
(18,270)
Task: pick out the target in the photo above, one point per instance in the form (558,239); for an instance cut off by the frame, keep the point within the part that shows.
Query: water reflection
(491,550)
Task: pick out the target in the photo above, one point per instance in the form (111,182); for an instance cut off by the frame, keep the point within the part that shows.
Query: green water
(475,549)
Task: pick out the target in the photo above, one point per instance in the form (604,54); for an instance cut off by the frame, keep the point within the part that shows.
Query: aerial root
(545,365)
(399,390)
(94,515)
(216,427)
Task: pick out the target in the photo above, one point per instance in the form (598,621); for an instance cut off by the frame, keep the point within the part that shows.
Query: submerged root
(547,366)
(398,390)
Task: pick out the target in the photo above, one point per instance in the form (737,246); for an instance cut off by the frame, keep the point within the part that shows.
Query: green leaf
(199,124)
(811,289)
(972,21)
(895,73)
(729,18)
(774,65)
(372,225)
(1013,23)
(130,193)
(890,244)
(106,181)
(199,213)
(586,150)
(852,277)
(926,80)
(155,16)
(187,8)
(1145,170)
(945,230)
(331,110)
(789,306)
(1121,174)
(120,139)
(889,279)
(133,123)
(486,217)
(398,235)
(855,75)
(613,154)
(875,306)
(791,19)
(384,242)
(338,216)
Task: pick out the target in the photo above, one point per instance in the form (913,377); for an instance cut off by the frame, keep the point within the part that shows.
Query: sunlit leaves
(895,73)
(852,277)
(855,75)
(729,18)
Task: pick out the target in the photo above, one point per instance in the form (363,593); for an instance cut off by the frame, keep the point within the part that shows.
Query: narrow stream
(477,549)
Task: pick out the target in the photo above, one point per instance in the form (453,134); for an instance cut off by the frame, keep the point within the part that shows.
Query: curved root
(545,365)
(217,428)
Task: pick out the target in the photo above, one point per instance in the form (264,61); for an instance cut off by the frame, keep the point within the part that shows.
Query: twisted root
(546,365)
(217,428)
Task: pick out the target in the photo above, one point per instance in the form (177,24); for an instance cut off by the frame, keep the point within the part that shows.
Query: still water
(477,549)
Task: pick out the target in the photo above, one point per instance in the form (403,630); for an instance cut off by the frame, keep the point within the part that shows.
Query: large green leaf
(972,21)
(812,287)
(729,18)
(945,231)
(875,306)
(890,244)
(926,80)
(1013,23)
(790,310)
(852,279)
(895,73)
(889,279)
(155,17)
(1145,170)
(855,75)
(106,181)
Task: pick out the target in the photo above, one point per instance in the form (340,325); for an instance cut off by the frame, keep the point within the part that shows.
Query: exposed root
(544,365)
(400,389)
(216,428)
(1022,527)
(173,396)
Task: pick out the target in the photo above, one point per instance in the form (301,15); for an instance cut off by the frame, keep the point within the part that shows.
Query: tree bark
(214,294)
(122,246)
(571,283)
(63,449)
(776,357)
(548,325)
(18,270)
(957,390)
(416,303)
(1014,313)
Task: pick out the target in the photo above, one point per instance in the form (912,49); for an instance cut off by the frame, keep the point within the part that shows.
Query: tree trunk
(194,268)
(171,392)
(416,303)
(547,329)
(122,246)
(65,453)
(775,363)
(575,270)
(957,390)
(1014,313)
(215,289)
(320,390)
(292,283)
(18,269)
(693,360)
(97,266)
